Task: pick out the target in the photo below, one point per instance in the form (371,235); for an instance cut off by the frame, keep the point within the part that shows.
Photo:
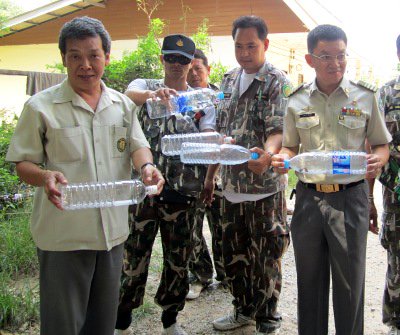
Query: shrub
(144,62)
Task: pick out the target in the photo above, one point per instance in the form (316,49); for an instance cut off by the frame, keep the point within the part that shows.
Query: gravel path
(197,316)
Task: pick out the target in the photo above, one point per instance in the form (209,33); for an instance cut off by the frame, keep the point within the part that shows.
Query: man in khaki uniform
(330,221)
(79,131)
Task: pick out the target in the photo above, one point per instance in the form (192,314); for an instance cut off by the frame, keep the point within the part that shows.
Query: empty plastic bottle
(329,163)
(171,144)
(184,102)
(205,153)
(104,194)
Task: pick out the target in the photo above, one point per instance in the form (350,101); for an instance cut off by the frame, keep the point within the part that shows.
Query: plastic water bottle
(329,163)
(184,102)
(171,144)
(205,153)
(104,194)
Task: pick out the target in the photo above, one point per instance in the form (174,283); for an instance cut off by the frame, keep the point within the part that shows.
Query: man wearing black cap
(173,211)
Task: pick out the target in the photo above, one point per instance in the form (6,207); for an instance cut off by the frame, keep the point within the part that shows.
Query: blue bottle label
(341,164)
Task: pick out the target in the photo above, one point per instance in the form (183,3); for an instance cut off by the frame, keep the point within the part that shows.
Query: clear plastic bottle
(187,101)
(205,153)
(329,163)
(104,194)
(171,144)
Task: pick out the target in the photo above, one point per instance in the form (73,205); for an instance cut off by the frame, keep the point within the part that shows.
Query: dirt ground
(197,316)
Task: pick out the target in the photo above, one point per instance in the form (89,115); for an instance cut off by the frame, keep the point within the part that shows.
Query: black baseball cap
(178,44)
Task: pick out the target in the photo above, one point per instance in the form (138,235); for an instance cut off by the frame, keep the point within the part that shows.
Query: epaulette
(297,89)
(366,85)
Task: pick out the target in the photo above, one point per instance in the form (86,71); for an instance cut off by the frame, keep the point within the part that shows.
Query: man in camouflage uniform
(255,232)
(173,211)
(200,264)
(390,96)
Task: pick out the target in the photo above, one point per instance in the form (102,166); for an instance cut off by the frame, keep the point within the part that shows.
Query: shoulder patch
(297,89)
(367,85)
(286,90)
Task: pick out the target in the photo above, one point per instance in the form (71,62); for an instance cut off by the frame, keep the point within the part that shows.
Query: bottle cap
(254,155)
(228,140)
(152,189)
(286,163)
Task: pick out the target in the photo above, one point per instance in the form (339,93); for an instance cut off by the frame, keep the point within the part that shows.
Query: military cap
(178,44)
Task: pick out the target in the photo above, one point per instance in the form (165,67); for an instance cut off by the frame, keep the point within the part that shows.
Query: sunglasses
(177,59)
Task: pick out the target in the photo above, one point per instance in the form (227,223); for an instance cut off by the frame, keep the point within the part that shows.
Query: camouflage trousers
(200,264)
(255,237)
(175,222)
(390,240)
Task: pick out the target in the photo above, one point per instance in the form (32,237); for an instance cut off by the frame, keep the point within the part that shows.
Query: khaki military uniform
(390,95)
(255,234)
(79,252)
(58,129)
(329,230)
(172,213)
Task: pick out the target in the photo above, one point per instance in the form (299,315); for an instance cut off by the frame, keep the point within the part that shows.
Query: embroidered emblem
(179,43)
(286,90)
(121,144)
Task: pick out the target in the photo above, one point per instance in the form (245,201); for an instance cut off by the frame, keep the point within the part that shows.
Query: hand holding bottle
(51,179)
(374,166)
(260,165)
(278,163)
(152,176)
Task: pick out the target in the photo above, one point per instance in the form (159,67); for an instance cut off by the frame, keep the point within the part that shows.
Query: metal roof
(49,12)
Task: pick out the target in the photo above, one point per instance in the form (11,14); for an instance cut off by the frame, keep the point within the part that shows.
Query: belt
(331,188)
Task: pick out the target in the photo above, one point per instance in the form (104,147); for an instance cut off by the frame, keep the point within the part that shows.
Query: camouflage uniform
(173,213)
(200,263)
(390,238)
(255,233)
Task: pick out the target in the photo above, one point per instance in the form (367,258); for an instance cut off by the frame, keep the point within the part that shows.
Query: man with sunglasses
(173,211)
(330,220)
(390,97)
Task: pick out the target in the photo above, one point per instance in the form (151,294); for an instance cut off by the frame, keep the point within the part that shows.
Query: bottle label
(341,164)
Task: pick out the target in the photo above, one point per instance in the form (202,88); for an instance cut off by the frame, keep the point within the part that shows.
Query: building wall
(125,22)
(35,57)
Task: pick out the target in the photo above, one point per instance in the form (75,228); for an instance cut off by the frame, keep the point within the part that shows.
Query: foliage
(292,182)
(142,63)
(19,301)
(203,42)
(201,38)
(9,182)
(17,307)
(217,72)
(56,68)
(149,7)
(7,11)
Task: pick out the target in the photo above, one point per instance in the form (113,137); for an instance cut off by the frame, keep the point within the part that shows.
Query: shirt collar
(65,93)
(344,86)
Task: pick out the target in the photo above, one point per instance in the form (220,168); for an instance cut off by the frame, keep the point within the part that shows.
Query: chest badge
(351,110)
(121,144)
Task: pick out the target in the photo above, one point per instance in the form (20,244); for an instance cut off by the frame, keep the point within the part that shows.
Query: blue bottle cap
(254,155)
(286,163)
(220,95)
